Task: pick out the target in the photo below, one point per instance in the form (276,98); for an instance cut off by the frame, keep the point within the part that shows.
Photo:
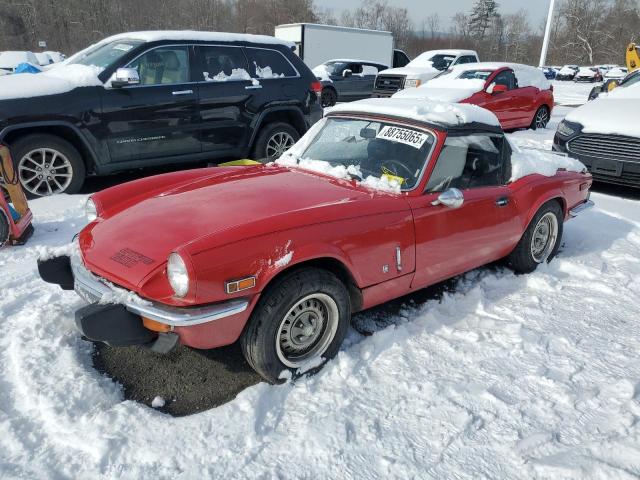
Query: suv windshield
(376,153)
(104,55)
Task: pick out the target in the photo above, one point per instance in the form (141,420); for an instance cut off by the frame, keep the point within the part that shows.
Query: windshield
(476,74)
(104,55)
(439,61)
(378,154)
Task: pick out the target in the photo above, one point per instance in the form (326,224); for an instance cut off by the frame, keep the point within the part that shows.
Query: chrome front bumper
(93,289)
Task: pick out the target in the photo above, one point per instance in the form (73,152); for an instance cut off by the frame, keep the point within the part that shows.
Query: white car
(588,74)
(424,67)
(616,73)
(10,60)
(56,57)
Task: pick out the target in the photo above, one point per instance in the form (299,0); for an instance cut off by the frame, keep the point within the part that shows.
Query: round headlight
(178,275)
(90,210)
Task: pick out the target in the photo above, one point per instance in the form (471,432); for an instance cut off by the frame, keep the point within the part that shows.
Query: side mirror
(494,89)
(452,198)
(124,77)
(347,73)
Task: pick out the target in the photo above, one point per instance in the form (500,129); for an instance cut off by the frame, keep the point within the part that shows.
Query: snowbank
(528,162)
(615,114)
(61,79)
(429,111)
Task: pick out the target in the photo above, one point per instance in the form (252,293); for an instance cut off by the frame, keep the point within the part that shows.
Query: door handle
(252,87)
(182,92)
(502,202)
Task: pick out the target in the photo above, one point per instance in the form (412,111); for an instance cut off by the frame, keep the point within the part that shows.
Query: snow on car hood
(452,90)
(60,79)
(531,161)
(615,114)
(423,73)
(567,71)
(586,72)
(222,208)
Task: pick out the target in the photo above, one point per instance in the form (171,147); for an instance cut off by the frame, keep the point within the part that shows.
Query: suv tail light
(316,87)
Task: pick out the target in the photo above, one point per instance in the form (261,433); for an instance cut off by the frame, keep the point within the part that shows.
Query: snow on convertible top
(429,111)
(61,79)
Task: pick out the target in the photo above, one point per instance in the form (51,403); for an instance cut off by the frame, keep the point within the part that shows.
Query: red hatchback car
(519,95)
(379,199)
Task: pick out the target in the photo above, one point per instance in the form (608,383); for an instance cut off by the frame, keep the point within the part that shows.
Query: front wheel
(298,325)
(541,118)
(47,165)
(274,139)
(541,240)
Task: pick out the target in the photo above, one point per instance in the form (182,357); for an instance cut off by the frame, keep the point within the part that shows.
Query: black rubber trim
(57,271)
(113,324)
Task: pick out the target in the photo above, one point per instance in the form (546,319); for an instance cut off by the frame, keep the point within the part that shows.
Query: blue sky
(421,9)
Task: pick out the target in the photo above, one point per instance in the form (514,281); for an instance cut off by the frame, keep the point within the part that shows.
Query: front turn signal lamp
(240,285)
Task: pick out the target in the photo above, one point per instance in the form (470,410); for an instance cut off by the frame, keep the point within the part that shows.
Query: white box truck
(316,44)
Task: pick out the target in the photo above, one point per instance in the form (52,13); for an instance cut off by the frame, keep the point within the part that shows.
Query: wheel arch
(290,115)
(63,130)
(330,264)
(552,197)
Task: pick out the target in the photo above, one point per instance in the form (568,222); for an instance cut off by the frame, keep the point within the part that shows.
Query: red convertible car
(379,199)
(519,95)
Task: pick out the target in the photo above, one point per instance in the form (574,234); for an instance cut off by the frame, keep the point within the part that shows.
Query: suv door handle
(182,92)
(502,202)
(252,87)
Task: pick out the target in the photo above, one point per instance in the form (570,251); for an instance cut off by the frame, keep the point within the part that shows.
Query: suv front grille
(606,146)
(387,83)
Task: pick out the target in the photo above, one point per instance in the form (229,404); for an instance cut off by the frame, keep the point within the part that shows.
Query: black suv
(159,98)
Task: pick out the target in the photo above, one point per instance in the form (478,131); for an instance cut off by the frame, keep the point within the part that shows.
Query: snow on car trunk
(507,376)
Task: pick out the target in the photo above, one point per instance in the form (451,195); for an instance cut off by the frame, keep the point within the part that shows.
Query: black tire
(264,330)
(34,142)
(522,259)
(329,97)
(5,229)
(541,118)
(261,149)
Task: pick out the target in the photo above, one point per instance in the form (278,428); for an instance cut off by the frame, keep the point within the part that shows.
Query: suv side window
(223,63)
(506,78)
(267,63)
(470,161)
(163,65)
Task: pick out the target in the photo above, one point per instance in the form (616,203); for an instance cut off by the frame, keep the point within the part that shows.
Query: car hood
(445,90)
(611,115)
(54,81)
(219,209)
(425,73)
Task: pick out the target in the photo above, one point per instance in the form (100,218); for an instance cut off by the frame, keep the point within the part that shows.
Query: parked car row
(10,61)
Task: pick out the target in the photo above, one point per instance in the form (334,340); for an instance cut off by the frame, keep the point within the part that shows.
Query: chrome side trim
(581,208)
(92,288)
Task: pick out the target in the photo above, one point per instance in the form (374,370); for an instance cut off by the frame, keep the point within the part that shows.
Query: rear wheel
(47,165)
(541,119)
(274,140)
(299,323)
(541,240)
(329,97)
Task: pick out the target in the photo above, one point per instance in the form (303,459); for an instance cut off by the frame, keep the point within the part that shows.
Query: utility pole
(547,34)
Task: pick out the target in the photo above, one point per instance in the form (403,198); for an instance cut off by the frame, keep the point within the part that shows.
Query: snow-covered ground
(534,376)
(571,93)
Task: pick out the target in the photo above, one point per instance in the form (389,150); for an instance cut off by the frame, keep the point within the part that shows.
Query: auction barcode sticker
(403,135)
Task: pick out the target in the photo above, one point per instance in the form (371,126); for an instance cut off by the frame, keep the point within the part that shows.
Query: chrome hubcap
(542,118)
(278,144)
(45,171)
(544,238)
(307,330)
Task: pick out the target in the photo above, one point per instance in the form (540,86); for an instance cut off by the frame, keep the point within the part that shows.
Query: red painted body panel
(233,222)
(514,108)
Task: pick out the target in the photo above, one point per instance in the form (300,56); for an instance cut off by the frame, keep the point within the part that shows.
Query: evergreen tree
(483,14)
